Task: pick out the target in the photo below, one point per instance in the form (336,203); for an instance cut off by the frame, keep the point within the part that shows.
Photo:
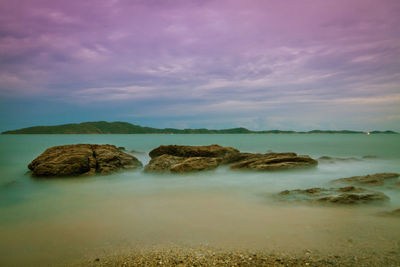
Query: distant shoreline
(302,133)
(103,127)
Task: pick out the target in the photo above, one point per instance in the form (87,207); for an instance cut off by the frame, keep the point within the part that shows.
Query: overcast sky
(296,64)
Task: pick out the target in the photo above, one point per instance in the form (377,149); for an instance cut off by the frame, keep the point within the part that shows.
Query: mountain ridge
(118,127)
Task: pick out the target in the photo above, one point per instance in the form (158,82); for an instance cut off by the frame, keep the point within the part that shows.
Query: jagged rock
(344,195)
(81,159)
(165,163)
(273,161)
(226,154)
(371,179)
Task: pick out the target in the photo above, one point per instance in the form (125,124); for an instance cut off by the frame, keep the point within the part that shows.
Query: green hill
(103,127)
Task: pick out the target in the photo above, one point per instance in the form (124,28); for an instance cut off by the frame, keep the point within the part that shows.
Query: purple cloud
(248,63)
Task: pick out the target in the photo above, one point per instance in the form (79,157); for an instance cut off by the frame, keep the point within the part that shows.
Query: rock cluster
(182,159)
(81,159)
(91,159)
(88,159)
(343,195)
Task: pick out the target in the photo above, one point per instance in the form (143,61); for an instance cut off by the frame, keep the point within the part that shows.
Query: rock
(162,163)
(343,195)
(273,161)
(371,179)
(370,157)
(165,163)
(81,159)
(334,159)
(226,154)
(135,152)
(11,183)
(351,198)
(393,213)
(110,160)
(196,164)
(121,148)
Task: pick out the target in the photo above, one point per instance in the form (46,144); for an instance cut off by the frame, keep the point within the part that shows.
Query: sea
(65,220)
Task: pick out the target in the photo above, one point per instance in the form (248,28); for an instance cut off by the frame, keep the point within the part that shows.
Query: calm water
(62,220)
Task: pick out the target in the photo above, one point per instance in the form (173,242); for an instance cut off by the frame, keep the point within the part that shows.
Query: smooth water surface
(56,221)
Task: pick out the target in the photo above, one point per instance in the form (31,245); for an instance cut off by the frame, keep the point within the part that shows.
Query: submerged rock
(371,179)
(393,213)
(370,157)
(335,159)
(165,163)
(343,195)
(81,159)
(273,161)
(11,183)
(226,154)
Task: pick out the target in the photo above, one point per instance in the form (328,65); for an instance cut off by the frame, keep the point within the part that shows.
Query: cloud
(205,57)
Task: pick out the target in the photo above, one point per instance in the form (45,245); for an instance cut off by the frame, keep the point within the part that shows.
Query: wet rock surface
(168,163)
(226,154)
(273,162)
(369,180)
(81,159)
(343,195)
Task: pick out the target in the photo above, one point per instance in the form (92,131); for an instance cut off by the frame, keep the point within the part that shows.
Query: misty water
(54,221)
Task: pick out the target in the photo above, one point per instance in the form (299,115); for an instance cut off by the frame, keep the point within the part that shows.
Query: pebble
(178,256)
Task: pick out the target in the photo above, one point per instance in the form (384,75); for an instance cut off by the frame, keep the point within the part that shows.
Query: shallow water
(61,220)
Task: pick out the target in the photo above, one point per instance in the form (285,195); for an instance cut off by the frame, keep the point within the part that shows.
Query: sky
(259,64)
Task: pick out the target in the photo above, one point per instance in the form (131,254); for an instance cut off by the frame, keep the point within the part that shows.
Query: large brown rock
(81,159)
(370,180)
(273,161)
(344,195)
(226,154)
(169,163)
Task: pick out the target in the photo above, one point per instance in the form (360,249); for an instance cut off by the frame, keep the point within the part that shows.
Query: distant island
(103,127)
